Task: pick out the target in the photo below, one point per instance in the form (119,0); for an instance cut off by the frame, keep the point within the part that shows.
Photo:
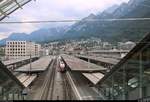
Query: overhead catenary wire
(76,20)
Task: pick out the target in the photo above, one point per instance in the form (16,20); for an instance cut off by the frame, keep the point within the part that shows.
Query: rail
(55,86)
(48,82)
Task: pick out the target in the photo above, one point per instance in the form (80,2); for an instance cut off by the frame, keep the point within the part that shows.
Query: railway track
(60,91)
(55,86)
(47,88)
(67,94)
(52,81)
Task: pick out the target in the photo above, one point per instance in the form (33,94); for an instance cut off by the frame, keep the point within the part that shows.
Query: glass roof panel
(9,6)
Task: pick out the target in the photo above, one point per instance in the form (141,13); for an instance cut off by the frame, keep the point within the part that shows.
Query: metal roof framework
(130,74)
(10,75)
(9,6)
(136,49)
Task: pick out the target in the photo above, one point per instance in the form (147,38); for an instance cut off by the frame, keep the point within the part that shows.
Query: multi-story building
(18,49)
(37,49)
(2,53)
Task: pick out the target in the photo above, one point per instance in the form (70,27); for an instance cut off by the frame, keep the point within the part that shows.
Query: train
(61,65)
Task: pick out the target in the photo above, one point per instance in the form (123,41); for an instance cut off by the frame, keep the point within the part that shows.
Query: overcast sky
(53,10)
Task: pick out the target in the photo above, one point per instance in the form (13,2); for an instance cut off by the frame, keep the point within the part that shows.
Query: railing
(144,99)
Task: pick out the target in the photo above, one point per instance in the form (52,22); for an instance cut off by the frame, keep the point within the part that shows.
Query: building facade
(19,49)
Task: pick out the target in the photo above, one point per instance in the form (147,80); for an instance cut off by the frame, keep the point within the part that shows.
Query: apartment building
(18,49)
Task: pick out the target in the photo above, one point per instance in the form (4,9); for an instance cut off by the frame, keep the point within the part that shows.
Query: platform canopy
(75,64)
(36,66)
(9,6)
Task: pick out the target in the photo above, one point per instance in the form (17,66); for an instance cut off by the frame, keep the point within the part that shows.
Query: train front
(61,67)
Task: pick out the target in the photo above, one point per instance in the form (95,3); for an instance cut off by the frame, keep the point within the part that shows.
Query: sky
(52,10)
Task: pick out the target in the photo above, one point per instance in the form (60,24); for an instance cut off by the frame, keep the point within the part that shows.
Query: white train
(61,67)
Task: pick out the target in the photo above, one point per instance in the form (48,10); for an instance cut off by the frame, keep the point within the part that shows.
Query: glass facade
(10,88)
(131,79)
(9,6)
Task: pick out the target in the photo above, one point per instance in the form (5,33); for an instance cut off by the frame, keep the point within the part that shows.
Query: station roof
(94,77)
(9,6)
(100,59)
(13,61)
(110,56)
(36,66)
(109,51)
(26,79)
(76,64)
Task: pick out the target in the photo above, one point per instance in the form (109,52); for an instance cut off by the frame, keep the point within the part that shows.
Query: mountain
(39,36)
(19,36)
(111,31)
(111,9)
(114,31)
(14,36)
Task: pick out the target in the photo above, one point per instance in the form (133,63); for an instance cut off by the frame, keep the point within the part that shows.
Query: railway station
(84,81)
(76,77)
(86,84)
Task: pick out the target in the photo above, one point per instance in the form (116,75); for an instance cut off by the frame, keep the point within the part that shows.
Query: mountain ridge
(115,31)
(112,31)
(38,36)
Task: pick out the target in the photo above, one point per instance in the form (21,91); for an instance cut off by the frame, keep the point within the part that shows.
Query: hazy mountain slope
(41,35)
(115,30)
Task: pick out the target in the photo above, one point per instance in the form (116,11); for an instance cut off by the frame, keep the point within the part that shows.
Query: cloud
(2,35)
(53,10)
